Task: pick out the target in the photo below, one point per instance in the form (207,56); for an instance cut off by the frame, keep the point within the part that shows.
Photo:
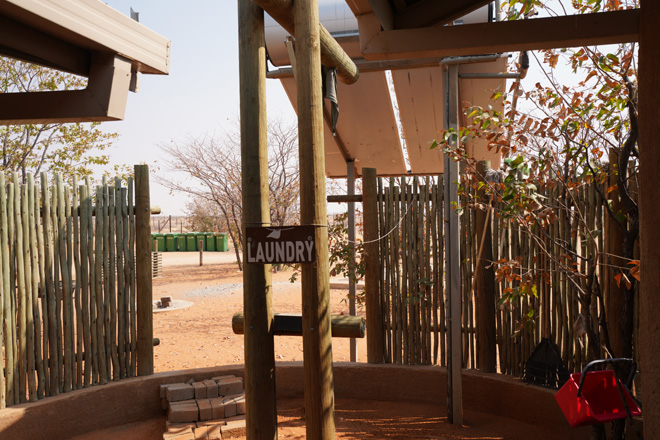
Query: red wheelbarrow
(594,397)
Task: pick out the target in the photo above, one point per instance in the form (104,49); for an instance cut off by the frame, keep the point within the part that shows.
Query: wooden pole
(261,415)
(145,330)
(332,54)
(7,391)
(317,341)
(484,278)
(352,309)
(649,126)
(375,354)
(200,244)
(453,261)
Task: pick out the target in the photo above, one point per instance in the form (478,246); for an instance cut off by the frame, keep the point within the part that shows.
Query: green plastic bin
(221,243)
(191,242)
(180,243)
(200,236)
(210,242)
(160,241)
(170,242)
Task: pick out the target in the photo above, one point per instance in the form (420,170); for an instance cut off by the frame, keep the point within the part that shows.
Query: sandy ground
(201,336)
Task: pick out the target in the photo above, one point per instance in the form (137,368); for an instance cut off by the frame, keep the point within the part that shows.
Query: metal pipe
(471,59)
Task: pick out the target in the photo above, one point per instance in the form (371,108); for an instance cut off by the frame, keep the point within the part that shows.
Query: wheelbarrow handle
(592,364)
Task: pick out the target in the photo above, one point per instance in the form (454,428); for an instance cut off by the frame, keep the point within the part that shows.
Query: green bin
(170,242)
(160,242)
(180,243)
(200,236)
(210,242)
(221,244)
(191,242)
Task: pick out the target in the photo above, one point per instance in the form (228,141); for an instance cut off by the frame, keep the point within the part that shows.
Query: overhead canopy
(367,131)
(84,37)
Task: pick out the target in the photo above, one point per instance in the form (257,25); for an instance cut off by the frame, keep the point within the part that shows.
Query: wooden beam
(332,54)
(507,36)
(143,275)
(286,324)
(104,99)
(649,157)
(383,11)
(375,337)
(315,277)
(345,198)
(260,397)
(429,12)
(28,44)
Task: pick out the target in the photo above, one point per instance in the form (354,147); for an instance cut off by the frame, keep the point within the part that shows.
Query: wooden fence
(68,286)
(411,252)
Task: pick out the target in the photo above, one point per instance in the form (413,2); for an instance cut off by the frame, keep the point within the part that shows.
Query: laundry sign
(280,244)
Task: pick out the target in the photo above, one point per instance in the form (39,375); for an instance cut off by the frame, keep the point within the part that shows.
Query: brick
(214,432)
(200,390)
(179,391)
(164,403)
(169,425)
(230,406)
(211,388)
(219,378)
(230,386)
(163,387)
(217,408)
(205,412)
(214,428)
(240,404)
(179,434)
(234,428)
(183,412)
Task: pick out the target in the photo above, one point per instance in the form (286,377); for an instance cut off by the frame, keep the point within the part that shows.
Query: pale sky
(199,96)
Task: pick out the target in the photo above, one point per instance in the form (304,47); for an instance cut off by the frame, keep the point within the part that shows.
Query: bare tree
(214,165)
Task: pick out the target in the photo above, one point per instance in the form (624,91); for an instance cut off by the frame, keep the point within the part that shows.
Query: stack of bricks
(213,409)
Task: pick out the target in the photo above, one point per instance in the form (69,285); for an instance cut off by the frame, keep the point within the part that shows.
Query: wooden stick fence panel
(20,294)
(64,300)
(26,256)
(34,280)
(75,219)
(107,293)
(112,283)
(8,390)
(132,275)
(130,359)
(68,276)
(84,283)
(396,300)
(3,342)
(120,280)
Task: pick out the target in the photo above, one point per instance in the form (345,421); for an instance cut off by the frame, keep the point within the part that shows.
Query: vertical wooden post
(200,244)
(649,151)
(453,260)
(317,341)
(7,388)
(352,310)
(485,280)
(145,329)
(261,414)
(375,344)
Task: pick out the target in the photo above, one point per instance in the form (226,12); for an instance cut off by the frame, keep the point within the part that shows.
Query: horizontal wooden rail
(291,325)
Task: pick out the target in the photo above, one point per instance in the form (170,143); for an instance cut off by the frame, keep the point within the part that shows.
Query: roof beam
(473,39)
(332,54)
(383,11)
(94,26)
(25,43)
(429,12)
(104,99)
